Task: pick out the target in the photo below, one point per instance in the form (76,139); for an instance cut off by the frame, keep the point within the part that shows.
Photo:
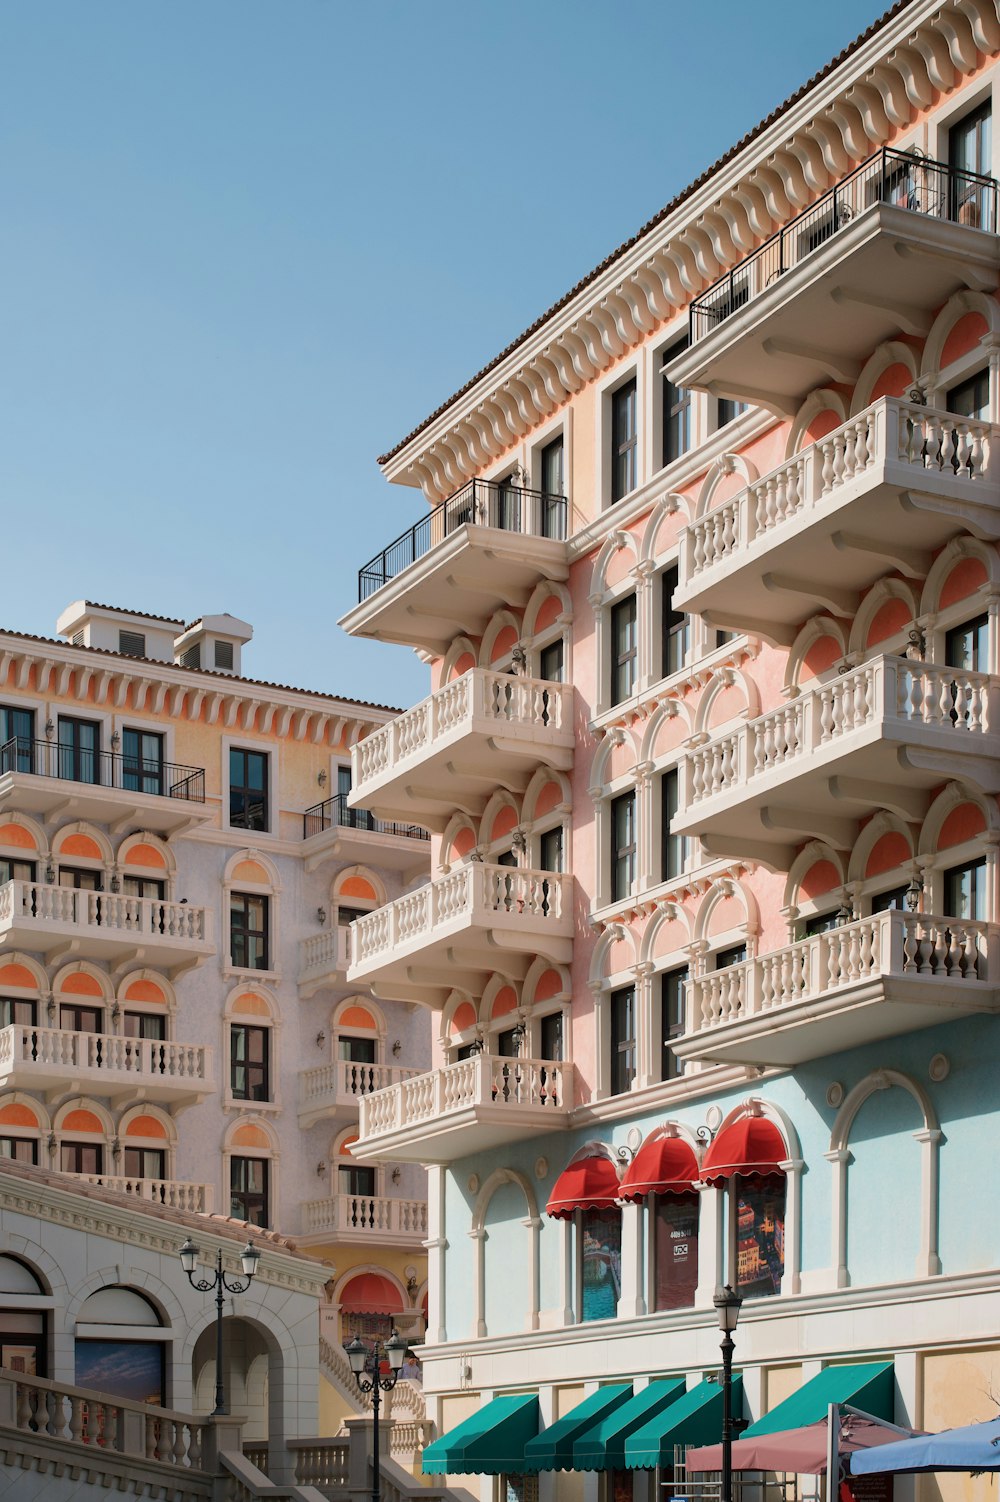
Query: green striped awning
(489,1442)
(694,1419)
(867,1384)
(553,1450)
(602,1446)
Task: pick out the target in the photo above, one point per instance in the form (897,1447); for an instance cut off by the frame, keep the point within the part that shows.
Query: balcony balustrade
(62,921)
(324,959)
(332,1092)
(892,973)
(872,258)
(887,488)
(57,1061)
(176,1194)
(881,736)
(366,1218)
(332,830)
(487,546)
(459,929)
(451,751)
(43,777)
(466,1107)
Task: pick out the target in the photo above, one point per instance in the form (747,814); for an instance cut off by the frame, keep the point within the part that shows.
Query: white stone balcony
(324,959)
(58,1061)
(176,1194)
(875,978)
(333,831)
(105,787)
(881,736)
(884,490)
(452,751)
(332,1092)
(875,257)
(467,1107)
(368,1219)
(63,922)
(459,929)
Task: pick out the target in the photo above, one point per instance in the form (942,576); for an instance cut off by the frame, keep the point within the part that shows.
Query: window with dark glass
(760,1237)
(965,891)
(149,1025)
(356,1050)
(734,955)
(676,409)
(248,935)
(345,917)
(970,151)
(971,398)
(80,879)
(79,744)
(675,1250)
(20,1149)
(15,1012)
(552,1036)
(624,649)
(351,818)
(249,1049)
(145,1163)
(248,789)
(355,1178)
(76,1017)
(673,1003)
(248,1190)
(674,845)
(622,846)
(967,646)
(142,761)
(894,900)
(81,1157)
(550,849)
(624,441)
(506,1043)
(819,923)
(553,511)
(600,1263)
(730,410)
(550,662)
(675,625)
(17,736)
(16,870)
(144,886)
(622,1013)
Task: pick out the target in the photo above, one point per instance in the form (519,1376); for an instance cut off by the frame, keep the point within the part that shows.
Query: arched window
(23,1329)
(120,1345)
(587,1193)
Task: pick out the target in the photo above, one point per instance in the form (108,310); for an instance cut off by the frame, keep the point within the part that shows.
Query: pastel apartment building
(706,572)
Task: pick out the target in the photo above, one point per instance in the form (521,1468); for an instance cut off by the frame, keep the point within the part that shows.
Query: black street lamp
(365,1363)
(727,1306)
(249,1256)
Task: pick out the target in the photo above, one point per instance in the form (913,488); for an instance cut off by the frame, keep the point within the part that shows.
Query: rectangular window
(819,923)
(354,1178)
(77,1018)
(248,931)
(81,1157)
(735,955)
(248,1190)
(16,870)
(553,486)
(142,761)
(552,1036)
(550,662)
(132,643)
(970,151)
(351,818)
(21,1150)
(248,789)
(965,891)
(760,1238)
(356,1050)
(507,1044)
(248,1059)
(674,845)
(14,1012)
(79,749)
(622,846)
(624,649)
(676,409)
(971,398)
(145,1163)
(144,886)
(622,1011)
(601,1263)
(673,1005)
(675,626)
(550,849)
(133,1370)
(892,901)
(145,1025)
(729,410)
(17,739)
(967,646)
(624,441)
(675,1250)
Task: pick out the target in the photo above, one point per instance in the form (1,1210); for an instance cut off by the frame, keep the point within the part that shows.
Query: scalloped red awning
(750,1148)
(663,1165)
(591,1184)
(370,1293)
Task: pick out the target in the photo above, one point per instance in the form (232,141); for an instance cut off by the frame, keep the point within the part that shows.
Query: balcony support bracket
(809,824)
(913,563)
(911,319)
(839,368)
(841,601)
(771,856)
(757,396)
(771,632)
(908,803)
(976,278)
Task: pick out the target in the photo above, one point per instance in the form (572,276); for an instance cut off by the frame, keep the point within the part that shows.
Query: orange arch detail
(81,844)
(464,1017)
(963,823)
(145,855)
(358,1017)
(18,975)
(146,1126)
(80,984)
(251,1005)
(505,1002)
(251,871)
(549,985)
(17,835)
(145,990)
(250,1136)
(82,1121)
(357,886)
(18,1115)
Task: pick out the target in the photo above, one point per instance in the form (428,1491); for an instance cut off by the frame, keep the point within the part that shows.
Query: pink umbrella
(800,1450)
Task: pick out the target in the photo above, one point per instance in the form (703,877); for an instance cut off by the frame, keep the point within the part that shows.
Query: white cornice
(927,51)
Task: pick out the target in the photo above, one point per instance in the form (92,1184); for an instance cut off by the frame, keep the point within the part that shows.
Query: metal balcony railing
(106,769)
(335,813)
(903,178)
(482,503)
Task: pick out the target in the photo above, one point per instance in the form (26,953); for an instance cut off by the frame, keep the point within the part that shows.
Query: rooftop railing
(106,769)
(335,813)
(481,503)
(903,178)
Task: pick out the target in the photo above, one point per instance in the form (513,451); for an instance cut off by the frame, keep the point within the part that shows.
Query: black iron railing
(902,178)
(106,769)
(336,812)
(481,503)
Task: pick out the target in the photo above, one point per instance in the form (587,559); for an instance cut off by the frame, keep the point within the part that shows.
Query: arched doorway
(252,1370)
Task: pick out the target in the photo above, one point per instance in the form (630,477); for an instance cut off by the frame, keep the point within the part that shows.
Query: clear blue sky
(246,245)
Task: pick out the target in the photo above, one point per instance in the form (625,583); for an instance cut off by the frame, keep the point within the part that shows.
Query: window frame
(247,1195)
(257,1071)
(623,664)
(246,791)
(623,1046)
(248,897)
(623,858)
(678,406)
(623,446)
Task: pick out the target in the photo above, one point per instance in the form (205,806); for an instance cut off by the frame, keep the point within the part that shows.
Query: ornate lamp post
(365,1365)
(250,1257)
(727,1306)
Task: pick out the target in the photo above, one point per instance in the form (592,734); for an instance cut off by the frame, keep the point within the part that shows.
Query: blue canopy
(974,1447)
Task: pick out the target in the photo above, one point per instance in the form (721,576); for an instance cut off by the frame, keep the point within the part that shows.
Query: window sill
(238,972)
(251,1107)
(689,677)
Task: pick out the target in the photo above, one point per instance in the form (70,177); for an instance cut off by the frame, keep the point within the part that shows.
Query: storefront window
(760,1238)
(675,1250)
(601,1246)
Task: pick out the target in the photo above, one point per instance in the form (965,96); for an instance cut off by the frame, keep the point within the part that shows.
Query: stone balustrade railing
(345,1080)
(887,691)
(93,1418)
(891,430)
(113,913)
(946,950)
(46,1051)
(176,1194)
(328,950)
(347,1213)
(482,1080)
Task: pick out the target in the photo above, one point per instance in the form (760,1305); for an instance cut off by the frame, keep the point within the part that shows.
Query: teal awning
(489,1442)
(866,1384)
(602,1446)
(694,1419)
(553,1450)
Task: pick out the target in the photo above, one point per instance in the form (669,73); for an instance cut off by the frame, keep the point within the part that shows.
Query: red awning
(664,1164)
(749,1148)
(589,1184)
(371,1293)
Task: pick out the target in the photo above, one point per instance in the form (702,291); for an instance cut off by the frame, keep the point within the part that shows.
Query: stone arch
(232,876)
(33,979)
(31,1103)
(494,988)
(240,1125)
(278,1340)
(600,771)
(101,981)
(539,781)
(946,802)
(459,839)
(824,399)
(453,664)
(880,594)
(135,1113)
(719,470)
(83,1103)
(816,628)
(890,352)
(536,970)
(955,552)
(809,856)
(340,1016)
(667,506)
(881,824)
(132,849)
(39,840)
(723,680)
(499,1178)
(613,544)
(135,980)
(43,1266)
(668,709)
(258,1002)
(501,809)
(82,834)
(340,886)
(502,621)
(455,1015)
(956,308)
(673,912)
(616,933)
(719,892)
(548,590)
